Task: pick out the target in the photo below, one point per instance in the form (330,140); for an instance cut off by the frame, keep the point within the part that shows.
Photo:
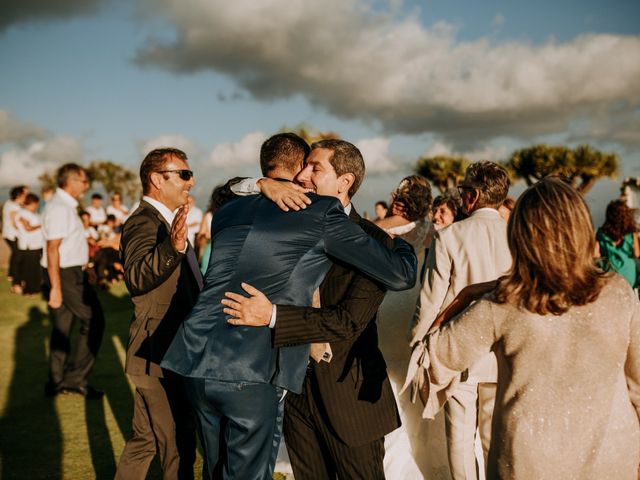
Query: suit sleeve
(147,264)
(347,319)
(343,239)
(436,284)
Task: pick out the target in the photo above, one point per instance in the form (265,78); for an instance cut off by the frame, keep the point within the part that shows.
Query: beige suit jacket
(471,251)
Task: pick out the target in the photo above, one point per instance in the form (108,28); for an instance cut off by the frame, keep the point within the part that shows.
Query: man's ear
(345,182)
(154,179)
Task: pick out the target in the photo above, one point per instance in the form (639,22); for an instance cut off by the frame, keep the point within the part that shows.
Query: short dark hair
(283,150)
(154,161)
(346,158)
(222,194)
(447,200)
(111,218)
(31,198)
(382,203)
(16,191)
(96,195)
(491,180)
(65,171)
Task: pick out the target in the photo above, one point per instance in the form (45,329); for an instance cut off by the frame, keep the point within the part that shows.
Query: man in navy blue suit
(235,378)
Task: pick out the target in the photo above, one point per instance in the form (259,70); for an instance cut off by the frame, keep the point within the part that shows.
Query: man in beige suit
(471,251)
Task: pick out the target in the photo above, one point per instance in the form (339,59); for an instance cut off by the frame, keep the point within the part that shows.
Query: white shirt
(119,214)
(167,214)
(29,240)
(194,220)
(91,232)
(60,220)
(97,215)
(8,229)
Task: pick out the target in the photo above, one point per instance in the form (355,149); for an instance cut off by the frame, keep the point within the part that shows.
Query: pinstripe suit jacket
(354,387)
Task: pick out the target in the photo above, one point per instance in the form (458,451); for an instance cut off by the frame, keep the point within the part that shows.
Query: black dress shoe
(87,391)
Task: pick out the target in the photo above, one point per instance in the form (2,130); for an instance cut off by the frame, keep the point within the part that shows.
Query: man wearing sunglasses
(163,279)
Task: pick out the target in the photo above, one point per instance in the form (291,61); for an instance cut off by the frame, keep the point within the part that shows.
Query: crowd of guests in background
(499,277)
(21,229)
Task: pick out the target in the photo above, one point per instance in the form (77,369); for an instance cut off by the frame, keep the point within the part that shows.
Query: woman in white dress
(405,448)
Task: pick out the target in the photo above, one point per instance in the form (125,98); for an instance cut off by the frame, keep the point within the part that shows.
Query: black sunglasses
(185,175)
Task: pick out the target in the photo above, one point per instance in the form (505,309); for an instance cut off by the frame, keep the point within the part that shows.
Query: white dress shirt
(33,239)
(8,228)
(60,220)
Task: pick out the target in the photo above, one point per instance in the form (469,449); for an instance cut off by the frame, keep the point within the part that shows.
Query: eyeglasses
(185,175)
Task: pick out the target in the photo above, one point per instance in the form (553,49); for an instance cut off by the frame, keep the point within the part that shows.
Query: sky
(111,79)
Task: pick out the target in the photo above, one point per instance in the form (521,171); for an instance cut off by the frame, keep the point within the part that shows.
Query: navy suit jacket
(283,254)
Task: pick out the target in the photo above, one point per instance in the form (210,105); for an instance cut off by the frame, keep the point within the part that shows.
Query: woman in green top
(618,241)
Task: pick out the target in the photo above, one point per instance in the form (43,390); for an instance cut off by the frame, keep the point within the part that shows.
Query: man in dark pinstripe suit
(336,426)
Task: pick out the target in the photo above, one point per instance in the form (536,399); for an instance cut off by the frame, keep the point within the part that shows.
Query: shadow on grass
(30,435)
(108,375)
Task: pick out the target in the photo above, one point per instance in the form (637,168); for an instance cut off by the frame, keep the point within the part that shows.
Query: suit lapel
(190,256)
(158,215)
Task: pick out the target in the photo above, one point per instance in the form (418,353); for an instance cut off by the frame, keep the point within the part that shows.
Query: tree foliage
(583,166)
(47,180)
(311,134)
(112,177)
(443,171)
(115,178)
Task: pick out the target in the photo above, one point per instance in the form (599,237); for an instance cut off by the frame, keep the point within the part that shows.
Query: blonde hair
(551,239)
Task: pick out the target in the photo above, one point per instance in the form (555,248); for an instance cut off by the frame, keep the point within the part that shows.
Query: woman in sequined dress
(567,338)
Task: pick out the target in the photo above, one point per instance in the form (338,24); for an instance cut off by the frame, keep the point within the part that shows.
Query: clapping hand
(254,311)
(179,229)
(287,195)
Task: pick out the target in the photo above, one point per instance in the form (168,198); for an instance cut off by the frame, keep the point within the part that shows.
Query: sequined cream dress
(568,397)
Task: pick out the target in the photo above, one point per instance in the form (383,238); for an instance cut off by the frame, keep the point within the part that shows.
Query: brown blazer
(354,387)
(162,286)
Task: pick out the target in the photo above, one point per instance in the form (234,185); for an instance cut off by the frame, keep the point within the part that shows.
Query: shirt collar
(167,214)
(66,198)
(348,208)
(485,209)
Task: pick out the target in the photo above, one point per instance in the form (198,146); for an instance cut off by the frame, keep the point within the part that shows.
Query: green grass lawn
(66,437)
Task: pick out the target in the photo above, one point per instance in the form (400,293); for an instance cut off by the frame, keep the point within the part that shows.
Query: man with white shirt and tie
(164,280)
(470,251)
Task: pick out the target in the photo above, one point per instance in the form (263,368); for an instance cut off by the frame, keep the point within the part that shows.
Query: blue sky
(100,79)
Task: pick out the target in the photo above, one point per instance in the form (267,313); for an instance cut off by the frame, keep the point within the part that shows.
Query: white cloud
(485,152)
(13,130)
(392,70)
(234,155)
(173,141)
(375,152)
(24,165)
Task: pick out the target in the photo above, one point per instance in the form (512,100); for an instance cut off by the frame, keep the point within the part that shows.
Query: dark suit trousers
(79,304)
(13,259)
(162,423)
(236,422)
(316,452)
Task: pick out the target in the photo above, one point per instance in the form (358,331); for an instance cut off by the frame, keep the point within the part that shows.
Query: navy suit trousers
(239,417)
